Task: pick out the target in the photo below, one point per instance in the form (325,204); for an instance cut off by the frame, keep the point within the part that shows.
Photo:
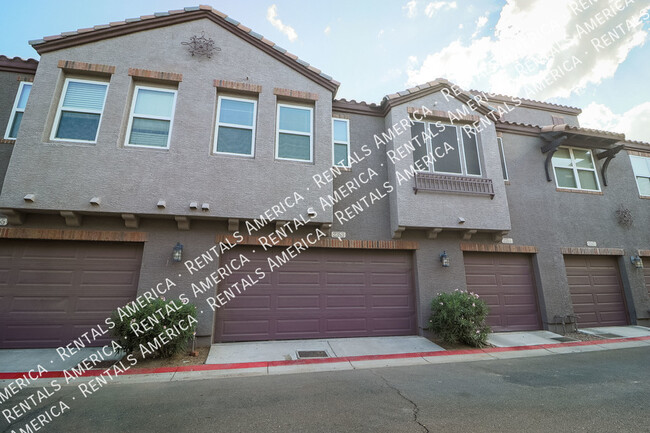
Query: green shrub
(460,317)
(156,330)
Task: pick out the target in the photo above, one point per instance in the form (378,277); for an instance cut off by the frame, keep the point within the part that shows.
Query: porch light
(444,259)
(636,261)
(177,252)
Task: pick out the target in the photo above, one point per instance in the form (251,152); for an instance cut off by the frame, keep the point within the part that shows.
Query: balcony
(453,184)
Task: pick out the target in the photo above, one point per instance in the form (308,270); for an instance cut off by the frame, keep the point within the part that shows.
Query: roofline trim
(18,65)
(111,31)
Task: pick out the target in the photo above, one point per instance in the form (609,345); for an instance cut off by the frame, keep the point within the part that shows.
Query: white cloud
(433,7)
(327,30)
(460,26)
(633,123)
(538,61)
(480,23)
(411,8)
(272,17)
(380,34)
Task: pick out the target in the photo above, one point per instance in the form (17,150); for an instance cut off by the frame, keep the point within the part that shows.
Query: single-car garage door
(505,282)
(51,292)
(321,293)
(596,290)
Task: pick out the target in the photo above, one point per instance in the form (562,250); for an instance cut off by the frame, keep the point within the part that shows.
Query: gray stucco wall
(8,88)
(132,180)
(550,220)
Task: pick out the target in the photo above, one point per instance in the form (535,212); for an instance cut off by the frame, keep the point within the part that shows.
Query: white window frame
(502,155)
(236,126)
(575,170)
(461,152)
(170,119)
(57,118)
(647,161)
(335,142)
(15,109)
(286,131)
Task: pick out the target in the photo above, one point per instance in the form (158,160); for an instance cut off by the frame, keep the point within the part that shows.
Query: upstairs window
(150,121)
(341,142)
(575,169)
(235,133)
(502,154)
(80,111)
(294,139)
(17,110)
(641,168)
(452,149)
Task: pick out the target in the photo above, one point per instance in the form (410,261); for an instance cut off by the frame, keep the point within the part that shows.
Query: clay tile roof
(582,131)
(18,64)
(533,102)
(131,25)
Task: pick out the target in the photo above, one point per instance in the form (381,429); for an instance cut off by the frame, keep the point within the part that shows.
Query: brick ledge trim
(587,251)
(498,248)
(72,235)
(331,243)
(156,75)
(7,141)
(69,65)
(644,253)
(295,94)
(238,86)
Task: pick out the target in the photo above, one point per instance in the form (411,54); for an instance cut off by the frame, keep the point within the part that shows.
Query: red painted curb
(266,364)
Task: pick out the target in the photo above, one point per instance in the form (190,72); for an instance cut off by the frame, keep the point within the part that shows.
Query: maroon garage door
(322,293)
(596,290)
(51,292)
(505,282)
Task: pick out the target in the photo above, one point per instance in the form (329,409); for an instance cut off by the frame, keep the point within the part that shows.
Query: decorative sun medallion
(201,46)
(624,216)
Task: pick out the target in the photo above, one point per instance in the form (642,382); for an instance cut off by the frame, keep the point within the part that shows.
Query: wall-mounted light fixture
(637,261)
(444,259)
(177,252)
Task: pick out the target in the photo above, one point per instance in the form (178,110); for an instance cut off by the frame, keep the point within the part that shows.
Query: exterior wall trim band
(498,248)
(72,235)
(586,251)
(330,243)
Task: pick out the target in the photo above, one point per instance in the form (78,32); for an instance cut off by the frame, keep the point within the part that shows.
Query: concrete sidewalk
(17,360)
(287,350)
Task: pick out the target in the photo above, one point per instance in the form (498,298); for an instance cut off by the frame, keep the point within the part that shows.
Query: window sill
(8,140)
(338,167)
(579,191)
(645,197)
(506,182)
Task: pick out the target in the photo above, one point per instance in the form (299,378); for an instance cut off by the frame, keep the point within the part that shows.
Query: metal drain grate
(563,339)
(312,354)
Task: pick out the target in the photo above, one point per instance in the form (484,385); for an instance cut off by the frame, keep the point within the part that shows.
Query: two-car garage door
(51,292)
(321,293)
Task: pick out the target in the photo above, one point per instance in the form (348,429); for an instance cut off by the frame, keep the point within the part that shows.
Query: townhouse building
(184,153)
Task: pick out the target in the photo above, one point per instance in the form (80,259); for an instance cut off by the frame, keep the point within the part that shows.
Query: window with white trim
(446,149)
(17,110)
(641,168)
(235,132)
(294,139)
(502,155)
(341,142)
(80,111)
(151,117)
(575,169)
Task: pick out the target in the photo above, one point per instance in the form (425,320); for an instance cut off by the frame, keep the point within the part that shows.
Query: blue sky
(379,47)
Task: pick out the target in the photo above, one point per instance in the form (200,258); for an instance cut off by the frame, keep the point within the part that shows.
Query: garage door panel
(258,302)
(392,325)
(53,289)
(505,282)
(351,290)
(597,296)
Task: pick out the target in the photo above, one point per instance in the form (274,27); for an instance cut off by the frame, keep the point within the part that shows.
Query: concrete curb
(192,372)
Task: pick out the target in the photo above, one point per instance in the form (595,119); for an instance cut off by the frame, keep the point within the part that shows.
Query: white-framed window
(575,169)
(80,111)
(502,155)
(151,117)
(641,168)
(341,142)
(451,149)
(235,130)
(294,133)
(17,110)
